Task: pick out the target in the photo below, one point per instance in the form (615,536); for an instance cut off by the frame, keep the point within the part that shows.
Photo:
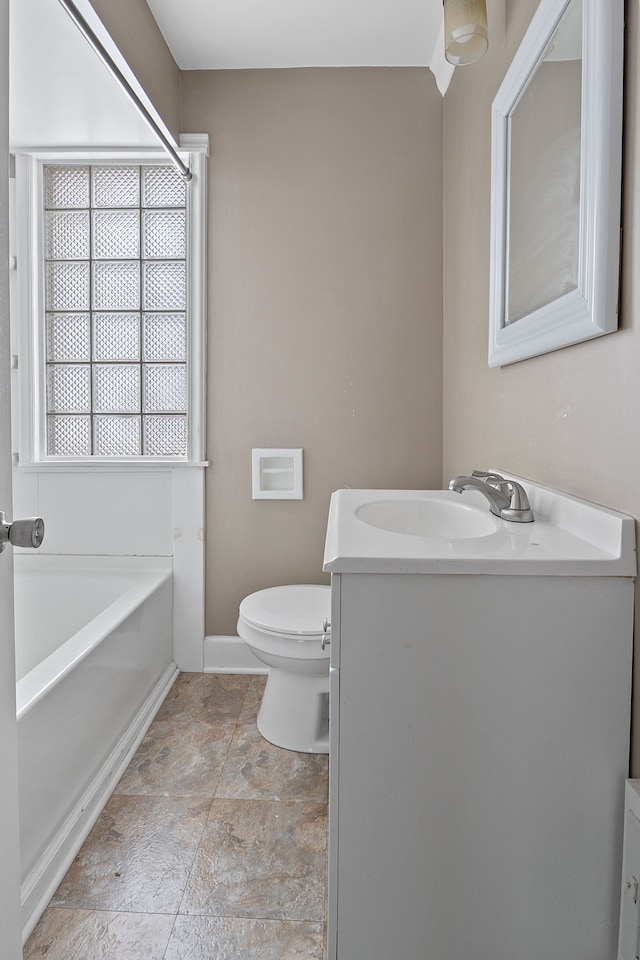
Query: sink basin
(432,518)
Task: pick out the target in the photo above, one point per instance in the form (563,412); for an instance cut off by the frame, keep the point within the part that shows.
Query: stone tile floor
(212,846)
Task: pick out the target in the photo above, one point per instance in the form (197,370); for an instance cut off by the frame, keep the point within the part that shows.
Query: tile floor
(212,846)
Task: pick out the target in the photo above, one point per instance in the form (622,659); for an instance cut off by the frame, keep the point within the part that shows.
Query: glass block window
(115,298)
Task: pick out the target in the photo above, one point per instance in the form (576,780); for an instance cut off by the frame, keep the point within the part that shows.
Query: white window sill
(95,463)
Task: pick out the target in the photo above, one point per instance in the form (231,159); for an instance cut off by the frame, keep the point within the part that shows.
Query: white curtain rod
(117,73)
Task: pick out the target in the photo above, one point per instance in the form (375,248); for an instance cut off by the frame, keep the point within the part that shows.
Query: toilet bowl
(283,627)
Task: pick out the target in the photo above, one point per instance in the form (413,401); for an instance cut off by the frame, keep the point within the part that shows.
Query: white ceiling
(47,55)
(248,34)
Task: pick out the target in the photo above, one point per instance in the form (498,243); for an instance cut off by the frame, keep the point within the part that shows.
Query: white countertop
(569,537)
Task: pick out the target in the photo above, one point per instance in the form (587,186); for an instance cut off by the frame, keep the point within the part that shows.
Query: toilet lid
(298,610)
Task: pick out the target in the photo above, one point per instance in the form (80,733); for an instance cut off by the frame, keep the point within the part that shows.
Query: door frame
(10,926)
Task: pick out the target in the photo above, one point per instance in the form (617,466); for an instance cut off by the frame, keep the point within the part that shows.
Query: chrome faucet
(507,499)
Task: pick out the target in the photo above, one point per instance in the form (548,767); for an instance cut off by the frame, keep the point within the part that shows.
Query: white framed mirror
(556,158)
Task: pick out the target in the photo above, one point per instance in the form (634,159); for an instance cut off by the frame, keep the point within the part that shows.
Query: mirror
(555,182)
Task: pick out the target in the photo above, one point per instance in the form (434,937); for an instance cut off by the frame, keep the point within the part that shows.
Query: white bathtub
(93,662)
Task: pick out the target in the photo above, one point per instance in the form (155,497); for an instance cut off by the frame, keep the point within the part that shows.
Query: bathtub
(93,663)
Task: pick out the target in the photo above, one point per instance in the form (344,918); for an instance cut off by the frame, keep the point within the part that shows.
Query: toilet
(284,627)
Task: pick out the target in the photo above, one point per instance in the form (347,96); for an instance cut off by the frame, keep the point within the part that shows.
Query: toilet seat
(296,611)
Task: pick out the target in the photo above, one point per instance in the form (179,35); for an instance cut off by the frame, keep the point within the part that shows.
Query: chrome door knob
(21,533)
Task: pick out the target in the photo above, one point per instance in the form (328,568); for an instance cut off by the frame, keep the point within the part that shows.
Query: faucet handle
(488,477)
(519,498)
(518,508)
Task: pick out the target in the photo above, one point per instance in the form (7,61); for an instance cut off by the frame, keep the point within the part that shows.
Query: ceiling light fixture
(466,37)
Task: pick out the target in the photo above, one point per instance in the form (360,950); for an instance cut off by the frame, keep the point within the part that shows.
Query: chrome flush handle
(21,533)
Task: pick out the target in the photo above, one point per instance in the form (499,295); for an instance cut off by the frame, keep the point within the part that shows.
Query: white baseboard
(42,882)
(230,655)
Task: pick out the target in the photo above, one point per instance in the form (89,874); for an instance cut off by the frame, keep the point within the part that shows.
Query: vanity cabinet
(479,746)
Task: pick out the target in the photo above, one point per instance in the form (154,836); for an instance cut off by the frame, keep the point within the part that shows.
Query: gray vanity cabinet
(479,746)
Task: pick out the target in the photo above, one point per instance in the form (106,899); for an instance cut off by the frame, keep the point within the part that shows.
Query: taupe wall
(325,302)
(137,35)
(571,418)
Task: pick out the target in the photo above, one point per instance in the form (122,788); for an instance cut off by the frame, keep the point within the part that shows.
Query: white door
(10,926)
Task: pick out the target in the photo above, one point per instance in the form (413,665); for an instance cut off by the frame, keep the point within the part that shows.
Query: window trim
(27,312)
